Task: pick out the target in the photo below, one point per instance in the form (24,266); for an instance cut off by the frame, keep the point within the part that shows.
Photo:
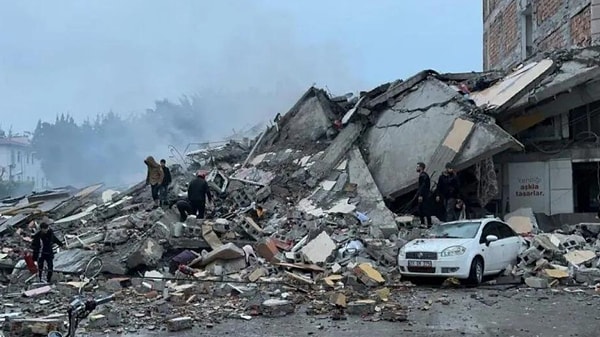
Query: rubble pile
(277,236)
(298,218)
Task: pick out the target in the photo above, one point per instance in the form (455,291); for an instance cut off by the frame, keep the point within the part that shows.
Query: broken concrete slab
(148,254)
(116,236)
(72,260)
(180,324)
(361,307)
(382,219)
(228,251)
(211,237)
(277,308)
(319,249)
(509,90)
(522,221)
(578,257)
(368,275)
(37,291)
(537,282)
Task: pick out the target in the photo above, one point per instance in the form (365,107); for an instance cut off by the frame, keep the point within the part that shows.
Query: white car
(465,249)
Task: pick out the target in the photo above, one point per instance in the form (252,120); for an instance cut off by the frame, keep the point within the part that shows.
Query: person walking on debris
(154,178)
(423,194)
(164,186)
(448,187)
(198,192)
(42,245)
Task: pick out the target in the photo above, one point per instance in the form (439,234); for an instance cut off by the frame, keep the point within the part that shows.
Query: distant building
(514,30)
(19,163)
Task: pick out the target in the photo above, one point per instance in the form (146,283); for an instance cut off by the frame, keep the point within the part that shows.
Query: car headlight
(453,251)
(402,252)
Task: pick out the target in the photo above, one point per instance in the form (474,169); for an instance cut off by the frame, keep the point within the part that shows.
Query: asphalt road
(470,312)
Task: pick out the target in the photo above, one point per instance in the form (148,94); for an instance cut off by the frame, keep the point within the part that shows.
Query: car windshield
(455,230)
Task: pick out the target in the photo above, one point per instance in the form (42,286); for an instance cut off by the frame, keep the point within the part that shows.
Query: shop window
(584,121)
(548,129)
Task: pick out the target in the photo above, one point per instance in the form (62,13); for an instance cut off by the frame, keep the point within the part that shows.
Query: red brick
(553,41)
(581,28)
(267,249)
(545,9)
(503,36)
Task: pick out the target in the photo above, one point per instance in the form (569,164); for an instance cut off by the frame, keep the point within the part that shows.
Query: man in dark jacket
(423,194)
(163,191)
(448,186)
(42,245)
(198,192)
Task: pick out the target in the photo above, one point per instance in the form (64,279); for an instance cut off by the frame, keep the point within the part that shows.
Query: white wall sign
(529,186)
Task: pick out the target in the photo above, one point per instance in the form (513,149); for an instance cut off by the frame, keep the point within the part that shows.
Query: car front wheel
(476,273)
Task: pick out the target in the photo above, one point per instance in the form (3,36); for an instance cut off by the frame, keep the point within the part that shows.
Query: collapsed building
(315,204)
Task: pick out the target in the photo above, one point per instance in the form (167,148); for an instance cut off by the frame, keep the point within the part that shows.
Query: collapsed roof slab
(486,140)
(382,219)
(410,132)
(511,88)
(577,70)
(306,122)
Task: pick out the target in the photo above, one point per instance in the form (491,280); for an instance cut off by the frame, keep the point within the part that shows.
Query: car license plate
(420,264)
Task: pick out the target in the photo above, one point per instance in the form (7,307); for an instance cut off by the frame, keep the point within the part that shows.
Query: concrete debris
(306,200)
(319,249)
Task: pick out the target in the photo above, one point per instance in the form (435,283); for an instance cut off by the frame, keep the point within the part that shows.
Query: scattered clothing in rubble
(423,194)
(43,251)
(448,187)
(154,177)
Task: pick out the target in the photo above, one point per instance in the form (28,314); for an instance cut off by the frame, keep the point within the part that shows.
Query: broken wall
(410,132)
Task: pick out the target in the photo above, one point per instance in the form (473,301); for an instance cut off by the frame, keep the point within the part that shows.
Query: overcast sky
(89,57)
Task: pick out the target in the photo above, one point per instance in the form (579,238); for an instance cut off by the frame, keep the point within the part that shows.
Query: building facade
(19,163)
(560,170)
(514,30)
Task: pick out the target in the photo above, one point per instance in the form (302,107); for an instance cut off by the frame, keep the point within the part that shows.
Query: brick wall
(581,29)
(501,34)
(556,24)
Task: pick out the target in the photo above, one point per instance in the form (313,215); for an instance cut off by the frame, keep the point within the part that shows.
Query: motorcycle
(79,309)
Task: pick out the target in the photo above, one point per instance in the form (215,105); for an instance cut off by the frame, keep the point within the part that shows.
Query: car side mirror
(490,238)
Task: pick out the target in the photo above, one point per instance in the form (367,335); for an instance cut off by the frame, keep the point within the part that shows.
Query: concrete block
(368,275)
(277,308)
(587,275)
(34,327)
(257,274)
(319,249)
(361,307)
(116,236)
(98,322)
(338,299)
(536,282)
(180,324)
(268,250)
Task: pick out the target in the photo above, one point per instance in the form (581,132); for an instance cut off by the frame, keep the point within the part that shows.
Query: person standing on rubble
(154,178)
(423,194)
(198,192)
(43,251)
(448,187)
(164,186)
